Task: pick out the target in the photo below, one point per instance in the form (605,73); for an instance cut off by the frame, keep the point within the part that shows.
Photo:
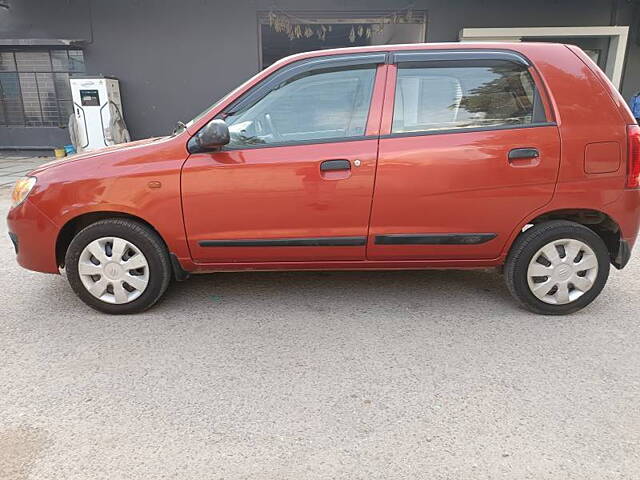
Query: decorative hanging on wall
(296,27)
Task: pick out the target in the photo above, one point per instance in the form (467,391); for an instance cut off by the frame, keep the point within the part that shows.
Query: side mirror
(213,135)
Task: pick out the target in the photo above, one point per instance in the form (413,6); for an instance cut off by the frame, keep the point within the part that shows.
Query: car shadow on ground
(340,290)
(335,292)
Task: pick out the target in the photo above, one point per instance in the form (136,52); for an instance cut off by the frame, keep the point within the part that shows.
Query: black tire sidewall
(144,239)
(533,240)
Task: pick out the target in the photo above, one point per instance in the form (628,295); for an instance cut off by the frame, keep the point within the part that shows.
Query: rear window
(457,95)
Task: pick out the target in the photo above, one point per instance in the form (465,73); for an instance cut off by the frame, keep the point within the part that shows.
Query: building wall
(174,58)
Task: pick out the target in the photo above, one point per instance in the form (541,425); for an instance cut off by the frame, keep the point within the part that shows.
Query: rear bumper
(34,238)
(626,212)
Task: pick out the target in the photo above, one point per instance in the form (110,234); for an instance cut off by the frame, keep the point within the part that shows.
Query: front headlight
(21,190)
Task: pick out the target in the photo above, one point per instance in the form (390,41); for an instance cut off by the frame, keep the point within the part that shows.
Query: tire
(526,265)
(119,243)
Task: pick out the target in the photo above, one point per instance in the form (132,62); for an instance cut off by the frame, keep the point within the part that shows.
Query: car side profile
(519,156)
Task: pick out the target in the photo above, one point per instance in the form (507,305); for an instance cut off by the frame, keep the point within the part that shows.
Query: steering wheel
(272,127)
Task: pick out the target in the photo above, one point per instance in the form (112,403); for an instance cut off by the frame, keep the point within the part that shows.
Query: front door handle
(332,165)
(523,153)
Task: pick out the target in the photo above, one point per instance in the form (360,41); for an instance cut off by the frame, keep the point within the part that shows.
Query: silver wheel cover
(562,271)
(113,270)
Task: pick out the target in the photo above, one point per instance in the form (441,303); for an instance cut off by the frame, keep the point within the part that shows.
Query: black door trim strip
(453,55)
(434,239)
(288,242)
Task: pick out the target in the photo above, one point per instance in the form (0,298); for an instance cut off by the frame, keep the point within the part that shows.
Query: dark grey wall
(631,78)
(44,19)
(34,138)
(174,58)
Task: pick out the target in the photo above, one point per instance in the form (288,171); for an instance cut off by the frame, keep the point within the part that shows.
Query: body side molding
(434,239)
(287,242)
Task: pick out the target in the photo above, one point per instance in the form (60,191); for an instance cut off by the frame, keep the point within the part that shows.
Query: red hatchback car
(388,157)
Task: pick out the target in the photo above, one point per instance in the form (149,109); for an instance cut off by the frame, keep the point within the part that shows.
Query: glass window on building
(34,86)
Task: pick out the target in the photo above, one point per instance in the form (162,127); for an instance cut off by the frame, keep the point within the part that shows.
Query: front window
(34,86)
(317,105)
(436,97)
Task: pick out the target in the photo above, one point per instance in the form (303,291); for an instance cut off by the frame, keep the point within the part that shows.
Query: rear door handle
(523,153)
(330,165)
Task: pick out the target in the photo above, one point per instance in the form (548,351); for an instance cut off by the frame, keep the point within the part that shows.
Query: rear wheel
(118,266)
(557,267)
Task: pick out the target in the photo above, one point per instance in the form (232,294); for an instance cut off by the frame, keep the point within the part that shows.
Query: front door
(468,151)
(296,181)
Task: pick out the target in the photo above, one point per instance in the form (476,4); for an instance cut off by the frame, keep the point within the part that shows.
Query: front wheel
(557,267)
(118,266)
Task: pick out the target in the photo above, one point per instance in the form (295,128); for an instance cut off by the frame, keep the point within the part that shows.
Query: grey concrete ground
(16,166)
(417,375)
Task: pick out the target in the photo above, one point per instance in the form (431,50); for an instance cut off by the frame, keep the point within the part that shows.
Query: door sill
(341,265)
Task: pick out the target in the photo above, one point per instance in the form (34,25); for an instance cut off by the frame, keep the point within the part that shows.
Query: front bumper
(34,238)
(14,240)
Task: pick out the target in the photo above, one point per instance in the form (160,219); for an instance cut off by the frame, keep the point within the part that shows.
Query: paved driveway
(420,375)
(14,167)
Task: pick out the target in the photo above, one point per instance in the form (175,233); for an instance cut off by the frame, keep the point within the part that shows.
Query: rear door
(467,150)
(296,181)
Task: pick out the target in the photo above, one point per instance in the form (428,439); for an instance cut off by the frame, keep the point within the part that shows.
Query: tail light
(633,156)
